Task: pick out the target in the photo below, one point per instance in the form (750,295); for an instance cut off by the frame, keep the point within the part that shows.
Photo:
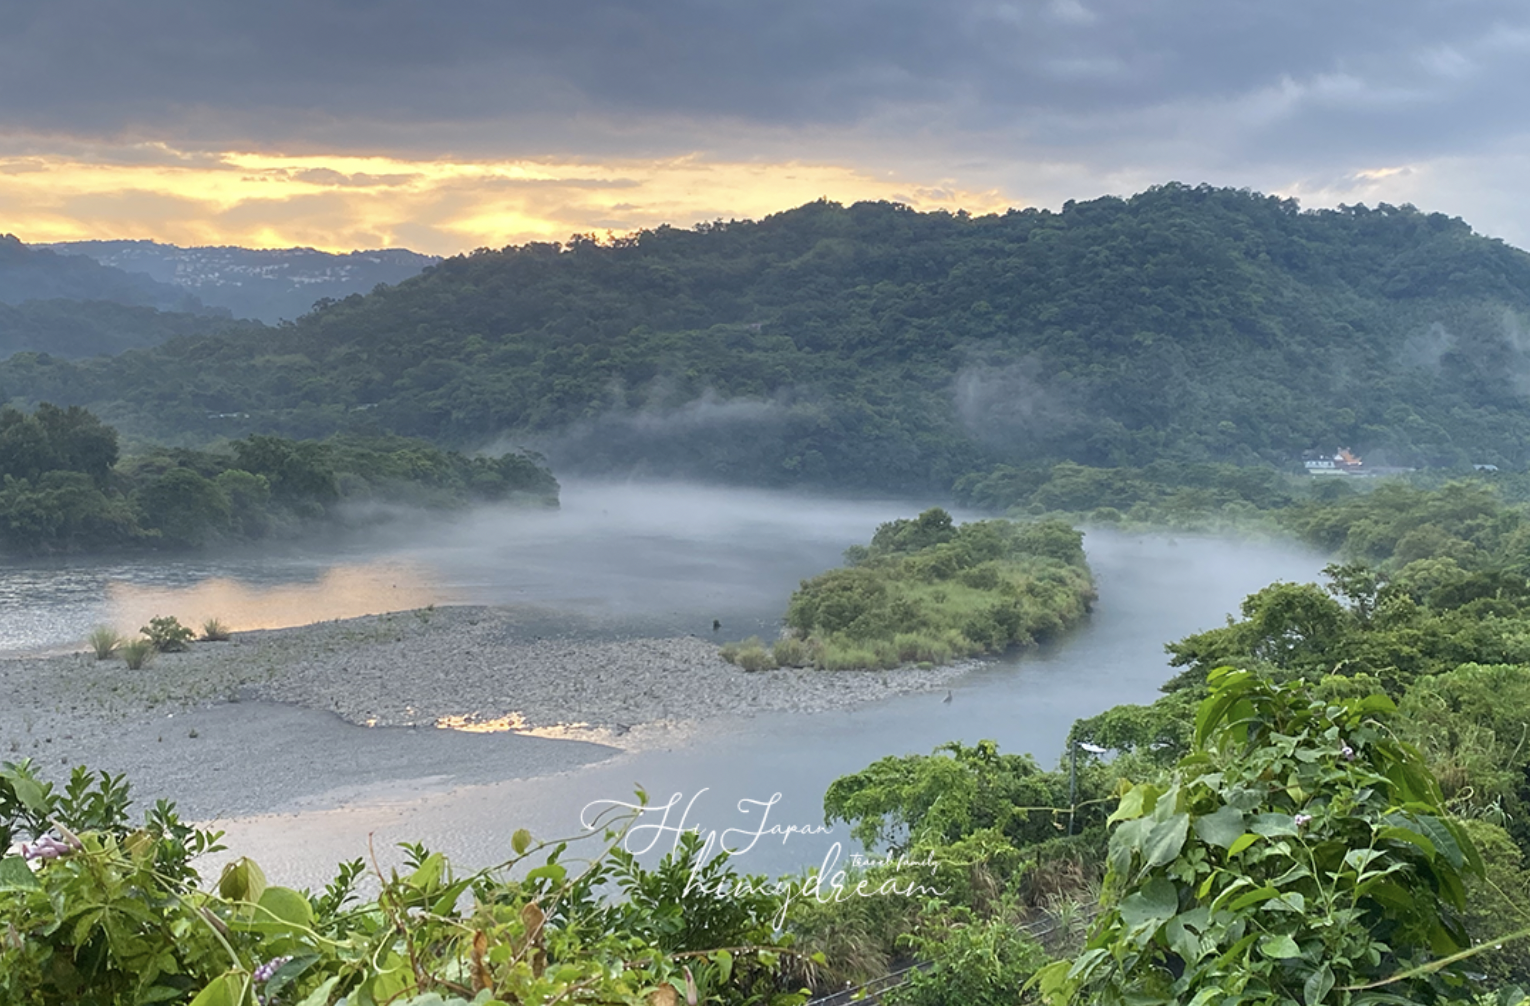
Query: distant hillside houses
(1345,462)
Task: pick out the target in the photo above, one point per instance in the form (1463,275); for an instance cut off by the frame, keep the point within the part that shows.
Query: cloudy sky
(456,124)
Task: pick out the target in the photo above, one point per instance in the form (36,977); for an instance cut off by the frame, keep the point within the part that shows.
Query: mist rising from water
(616,559)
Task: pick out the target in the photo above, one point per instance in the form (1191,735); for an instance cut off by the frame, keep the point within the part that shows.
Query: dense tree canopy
(63,488)
(77,328)
(871,345)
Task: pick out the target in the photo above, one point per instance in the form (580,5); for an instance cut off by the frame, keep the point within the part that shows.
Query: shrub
(925,648)
(847,657)
(790,651)
(214,631)
(167,634)
(752,656)
(973,962)
(137,653)
(97,910)
(104,641)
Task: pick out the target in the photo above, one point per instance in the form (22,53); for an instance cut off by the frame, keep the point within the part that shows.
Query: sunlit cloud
(1481,190)
(442,206)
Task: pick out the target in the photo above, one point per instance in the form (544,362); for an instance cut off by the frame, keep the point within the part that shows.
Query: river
(666,560)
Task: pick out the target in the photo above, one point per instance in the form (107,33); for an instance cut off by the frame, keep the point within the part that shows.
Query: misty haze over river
(622,560)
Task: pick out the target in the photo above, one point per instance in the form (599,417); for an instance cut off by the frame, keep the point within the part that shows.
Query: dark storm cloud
(1248,77)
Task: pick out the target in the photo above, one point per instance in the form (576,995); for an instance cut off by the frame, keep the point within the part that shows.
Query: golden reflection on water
(472,723)
(342,592)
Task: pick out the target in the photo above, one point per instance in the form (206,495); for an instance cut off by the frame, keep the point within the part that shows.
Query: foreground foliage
(109,914)
(1298,854)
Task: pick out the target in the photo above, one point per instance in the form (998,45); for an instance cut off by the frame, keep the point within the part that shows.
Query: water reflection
(630,559)
(50,608)
(339,592)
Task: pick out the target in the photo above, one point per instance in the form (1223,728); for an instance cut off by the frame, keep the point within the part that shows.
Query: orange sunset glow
(439,206)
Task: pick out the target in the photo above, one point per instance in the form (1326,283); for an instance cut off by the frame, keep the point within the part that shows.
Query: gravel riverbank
(322,710)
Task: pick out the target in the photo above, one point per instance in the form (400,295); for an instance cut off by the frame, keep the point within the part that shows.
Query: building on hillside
(1341,462)
(1346,462)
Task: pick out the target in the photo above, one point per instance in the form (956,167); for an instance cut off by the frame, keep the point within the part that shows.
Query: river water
(659,559)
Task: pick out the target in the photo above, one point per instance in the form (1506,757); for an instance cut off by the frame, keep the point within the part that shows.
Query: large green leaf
(1221,829)
(1157,901)
(242,880)
(287,905)
(1280,946)
(15,874)
(1166,840)
(225,990)
(1137,801)
(1318,985)
(1273,825)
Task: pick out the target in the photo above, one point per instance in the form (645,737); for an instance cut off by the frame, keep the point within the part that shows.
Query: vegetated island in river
(927,591)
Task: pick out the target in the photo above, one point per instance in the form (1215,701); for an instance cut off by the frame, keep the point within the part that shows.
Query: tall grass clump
(848,657)
(789,651)
(104,641)
(137,652)
(214,631)
(930,647)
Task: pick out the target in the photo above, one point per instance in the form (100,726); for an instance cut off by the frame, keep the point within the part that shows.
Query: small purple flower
(265,971)
(46,848)
(1347,753)
(1302,820)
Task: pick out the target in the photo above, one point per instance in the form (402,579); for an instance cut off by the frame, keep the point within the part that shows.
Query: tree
(184,507)
(78,440)
(55,439)
(300,472)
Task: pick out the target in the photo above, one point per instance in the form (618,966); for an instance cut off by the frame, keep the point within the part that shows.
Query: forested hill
(873,346)
(263,283)
(28,273)
(75,328)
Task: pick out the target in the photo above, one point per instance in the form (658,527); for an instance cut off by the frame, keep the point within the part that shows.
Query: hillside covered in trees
(872,346)
(28,273)
(78,328)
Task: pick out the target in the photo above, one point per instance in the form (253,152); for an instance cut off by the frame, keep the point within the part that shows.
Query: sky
(450,125)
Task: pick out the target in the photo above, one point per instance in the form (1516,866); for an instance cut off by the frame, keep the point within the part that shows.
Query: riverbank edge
(485,666)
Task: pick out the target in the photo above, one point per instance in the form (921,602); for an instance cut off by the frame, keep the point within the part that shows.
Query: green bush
(752,656)
(167,634)
(97,910)
(973,962)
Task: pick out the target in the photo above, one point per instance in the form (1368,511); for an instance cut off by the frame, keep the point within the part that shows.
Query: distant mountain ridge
(266,284)
(30,272)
